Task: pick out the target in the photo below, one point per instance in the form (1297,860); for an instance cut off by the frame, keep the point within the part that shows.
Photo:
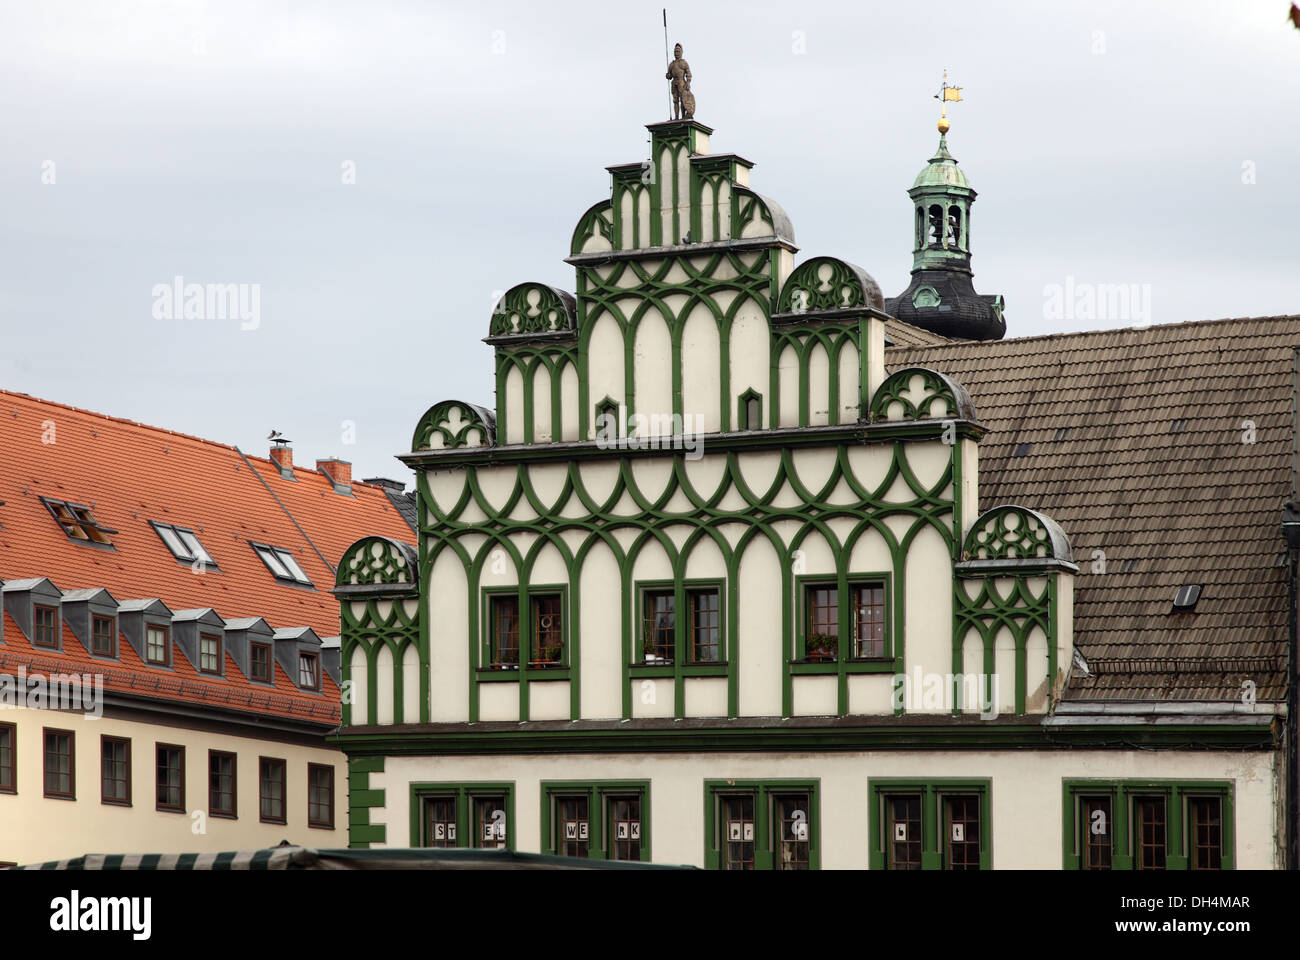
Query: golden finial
(946,92)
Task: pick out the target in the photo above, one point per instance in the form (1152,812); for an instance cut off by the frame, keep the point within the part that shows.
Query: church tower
(941,297)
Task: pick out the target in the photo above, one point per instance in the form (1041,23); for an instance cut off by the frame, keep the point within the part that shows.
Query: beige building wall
(35,828)
(1025,793)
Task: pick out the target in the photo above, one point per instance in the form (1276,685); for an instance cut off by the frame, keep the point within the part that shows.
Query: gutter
(1130,708)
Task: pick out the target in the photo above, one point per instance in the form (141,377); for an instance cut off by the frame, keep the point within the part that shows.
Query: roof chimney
(339,472)
(282,455)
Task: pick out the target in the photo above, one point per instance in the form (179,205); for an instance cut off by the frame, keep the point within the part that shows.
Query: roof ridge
(109,417)
(1090,333)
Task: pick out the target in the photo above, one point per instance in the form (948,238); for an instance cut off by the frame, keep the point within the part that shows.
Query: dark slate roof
(961,312)
(1132,440)
(404,503)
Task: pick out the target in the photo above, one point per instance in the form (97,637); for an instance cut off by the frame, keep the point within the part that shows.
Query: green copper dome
(942,170)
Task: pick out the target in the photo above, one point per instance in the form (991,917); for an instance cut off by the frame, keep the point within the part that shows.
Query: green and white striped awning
(275,858)
(308,858)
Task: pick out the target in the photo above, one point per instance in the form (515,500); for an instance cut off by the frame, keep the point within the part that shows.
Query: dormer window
(281,564)
(209,653)
(45,627)
(78,522)
(156,646)
(309,671)
(103,637)
(259,662)
(183,543)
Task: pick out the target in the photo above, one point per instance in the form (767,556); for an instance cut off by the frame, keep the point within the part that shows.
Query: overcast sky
(1111,143)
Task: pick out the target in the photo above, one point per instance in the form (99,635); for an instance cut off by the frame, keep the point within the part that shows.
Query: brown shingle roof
(900,333)
(1137,447)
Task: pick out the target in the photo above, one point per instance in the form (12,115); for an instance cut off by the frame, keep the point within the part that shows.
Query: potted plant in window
(650,652)
(552,652)
(822,646)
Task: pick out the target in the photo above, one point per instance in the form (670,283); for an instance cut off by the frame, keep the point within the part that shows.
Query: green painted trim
(597,793)
(361,798)
(932,791)
(989,612)
(464,793)
(762,792)
(1122,793)
(774,438)
(771,733)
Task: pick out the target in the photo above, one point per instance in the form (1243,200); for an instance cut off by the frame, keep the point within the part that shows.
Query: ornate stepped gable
(691,319)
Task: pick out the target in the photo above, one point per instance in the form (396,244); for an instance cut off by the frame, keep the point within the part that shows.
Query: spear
(668,61)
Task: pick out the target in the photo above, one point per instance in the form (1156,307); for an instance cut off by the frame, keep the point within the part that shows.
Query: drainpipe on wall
(1291,529)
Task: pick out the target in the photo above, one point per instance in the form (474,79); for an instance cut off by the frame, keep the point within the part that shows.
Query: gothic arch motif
(533,308)
(918,393)
(827,283)
(453,423)
(1014,533)
(377,561)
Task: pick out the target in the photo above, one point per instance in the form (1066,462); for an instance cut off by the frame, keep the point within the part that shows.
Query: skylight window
(1186,596)
(281,564)
(78,522)
(183,543)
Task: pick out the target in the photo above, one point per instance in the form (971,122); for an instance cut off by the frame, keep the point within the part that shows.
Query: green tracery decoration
(382,622)
(1018,610)
(1009,533)
(454,424)
(822,283)
(899,399)
(474,528)
(377,561)
(1019,555)
(530,308)
(597,221)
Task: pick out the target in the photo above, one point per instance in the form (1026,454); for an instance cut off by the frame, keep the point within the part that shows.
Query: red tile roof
(130,675)
(129,474)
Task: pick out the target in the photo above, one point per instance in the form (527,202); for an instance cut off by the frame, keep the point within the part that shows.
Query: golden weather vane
(946,93)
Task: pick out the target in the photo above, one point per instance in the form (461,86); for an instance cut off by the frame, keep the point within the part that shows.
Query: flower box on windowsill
(504,666)
(821,648)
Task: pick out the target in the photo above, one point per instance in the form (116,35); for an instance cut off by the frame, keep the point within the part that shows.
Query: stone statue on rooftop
(679,72)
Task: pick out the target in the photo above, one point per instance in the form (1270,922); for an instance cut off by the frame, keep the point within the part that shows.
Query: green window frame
(651,644)
(534,631)
(762,825)
(468,808)
(1105,825)
(615,814)
(928,824)
(749,410)
(829,622)
(607,407)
